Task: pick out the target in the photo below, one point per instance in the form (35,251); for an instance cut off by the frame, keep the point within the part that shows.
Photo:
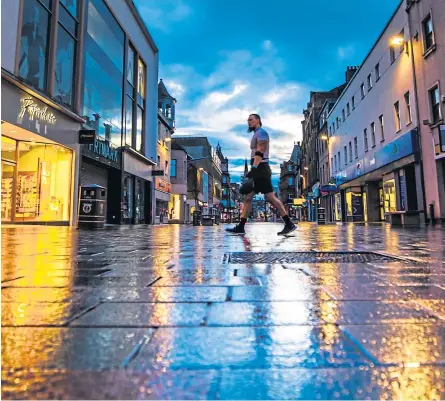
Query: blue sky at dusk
(224,59)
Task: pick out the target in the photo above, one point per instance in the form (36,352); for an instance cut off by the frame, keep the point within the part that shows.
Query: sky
(225,59)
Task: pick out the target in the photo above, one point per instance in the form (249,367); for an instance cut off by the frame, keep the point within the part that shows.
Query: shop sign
(33,111)
(103,149)
(299,201)
(162,185)
(329,188)
(87,136)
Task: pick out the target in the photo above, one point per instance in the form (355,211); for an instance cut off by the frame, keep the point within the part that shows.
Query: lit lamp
(306,168)
(397,40)
(168,139)
(324,137)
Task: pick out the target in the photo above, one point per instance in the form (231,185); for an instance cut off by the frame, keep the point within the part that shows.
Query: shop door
(8,173)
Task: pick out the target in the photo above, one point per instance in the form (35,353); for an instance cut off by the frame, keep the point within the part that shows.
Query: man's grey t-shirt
(259,135)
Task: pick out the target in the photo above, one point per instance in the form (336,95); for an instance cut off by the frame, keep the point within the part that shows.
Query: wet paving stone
(69,348)
(51,384)
(144,315)
(374,312)
(262,314)
(195,281)
(44,314)
(408,344)
(165,294)
(249,347)
(331,269)
(333,384)
(360,292)
(435,306)
(303,293)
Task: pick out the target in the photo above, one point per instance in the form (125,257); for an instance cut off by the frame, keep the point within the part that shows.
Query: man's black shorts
(263,179)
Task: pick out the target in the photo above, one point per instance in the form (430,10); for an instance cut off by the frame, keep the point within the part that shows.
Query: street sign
(87,136)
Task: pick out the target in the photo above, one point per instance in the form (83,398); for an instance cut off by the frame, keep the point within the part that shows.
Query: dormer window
(168,111)
(160,107)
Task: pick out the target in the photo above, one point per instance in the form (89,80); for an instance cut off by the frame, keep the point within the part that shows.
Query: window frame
(356,147)
(373,140)
(362,90)
(409,116)
(377,72)
(365,139)
(369,82)
(382,128)
(398,120)
(436,86)
(424,36)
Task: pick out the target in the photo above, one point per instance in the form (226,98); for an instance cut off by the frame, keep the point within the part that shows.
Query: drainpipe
(416,99)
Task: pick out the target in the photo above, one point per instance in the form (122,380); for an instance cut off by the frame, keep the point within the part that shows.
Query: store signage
(162,185)
(299,201)
(35,112)
(87,136)
(328,188)
(103,149)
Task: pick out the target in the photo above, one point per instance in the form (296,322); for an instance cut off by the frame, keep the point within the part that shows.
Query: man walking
(262,177)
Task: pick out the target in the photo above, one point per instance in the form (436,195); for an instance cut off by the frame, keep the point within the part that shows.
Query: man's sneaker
(239,229)
(288,228)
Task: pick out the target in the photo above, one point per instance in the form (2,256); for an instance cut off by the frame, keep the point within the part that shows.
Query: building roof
(163,92)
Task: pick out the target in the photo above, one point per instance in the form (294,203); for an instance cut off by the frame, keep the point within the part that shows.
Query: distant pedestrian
(262,178)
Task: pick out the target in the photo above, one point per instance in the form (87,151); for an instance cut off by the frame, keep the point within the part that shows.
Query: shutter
(92,174)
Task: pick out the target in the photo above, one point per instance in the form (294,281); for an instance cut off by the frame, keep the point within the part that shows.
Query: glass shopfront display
(390,197)
(139,200)
(128,197)
(36,181)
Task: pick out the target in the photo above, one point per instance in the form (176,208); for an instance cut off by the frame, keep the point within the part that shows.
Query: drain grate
(309,257)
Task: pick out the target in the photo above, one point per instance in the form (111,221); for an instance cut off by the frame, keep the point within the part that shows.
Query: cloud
(267,45)
(346,52)
(241,83)
(162,14)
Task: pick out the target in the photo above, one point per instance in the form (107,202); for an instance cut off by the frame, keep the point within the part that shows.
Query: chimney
(350,72)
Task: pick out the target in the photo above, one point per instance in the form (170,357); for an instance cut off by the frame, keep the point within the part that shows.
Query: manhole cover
(309,257)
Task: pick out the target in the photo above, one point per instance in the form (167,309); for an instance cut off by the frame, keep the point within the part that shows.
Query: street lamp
(324,137)
(397,40)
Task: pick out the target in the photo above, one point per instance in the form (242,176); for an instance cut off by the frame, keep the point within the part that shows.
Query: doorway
(8,173)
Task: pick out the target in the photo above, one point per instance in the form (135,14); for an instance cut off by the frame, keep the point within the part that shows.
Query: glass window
(128,197)
(139,199)
(141,79)
(397,116)
(71,6)
(392,54)
(8,148)
(377,72)
(34,44)
(390,199)
(173,169)
(350,151)
(373,134)
(130,66)
(365,135)
(356,147)
(346,155)
(67,20)
(339,160)
(43,183)
(64,68)
(435,104)
(139,126)
(104,66)
(348,109)
(335,163)
(129,122)
(409,117)
(362,90)
(343,114)
(428,32)
(353,102)
(369,82)
(382,128)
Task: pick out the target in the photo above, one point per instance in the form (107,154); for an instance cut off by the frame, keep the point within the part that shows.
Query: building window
(365,135)
(289,168)
(397,116)
(409,118)
(350,151)
(290,181)
(34,42)
(330,131)
(353,102)
(428,33)
(173,168)
(392,54)
(168,111)
(382,128)
(104,72)
(339,160)
(377,72)
(346,155)
(369,82)
(332,166)
(141,81)
(362,90)
(335,163)
(338,124)
(436,113)
(356,147)
(67,31)
(129,122)
(166,168)
(372,134)
(159,161)
(139,128)
(343,114)
(348,109)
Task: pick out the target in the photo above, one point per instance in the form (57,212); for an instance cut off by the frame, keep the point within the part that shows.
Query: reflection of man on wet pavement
(262,177)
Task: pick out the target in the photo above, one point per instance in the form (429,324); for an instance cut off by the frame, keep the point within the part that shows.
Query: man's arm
(260,149)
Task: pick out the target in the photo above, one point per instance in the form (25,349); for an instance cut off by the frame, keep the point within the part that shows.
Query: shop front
(136,194)
(162,196)
(384,183)
(102,165)
(39,159)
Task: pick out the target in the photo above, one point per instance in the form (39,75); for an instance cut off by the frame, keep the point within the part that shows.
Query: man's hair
(257,116)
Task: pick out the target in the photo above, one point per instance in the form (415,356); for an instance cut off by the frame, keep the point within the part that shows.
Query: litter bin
(196,218)
(92,206)
(321,215)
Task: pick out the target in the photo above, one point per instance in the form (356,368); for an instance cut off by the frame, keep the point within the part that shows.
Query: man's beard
(249,129)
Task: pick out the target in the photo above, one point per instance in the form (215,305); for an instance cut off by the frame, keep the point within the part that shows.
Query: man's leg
(288,225)
(271,198)
(247,208)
